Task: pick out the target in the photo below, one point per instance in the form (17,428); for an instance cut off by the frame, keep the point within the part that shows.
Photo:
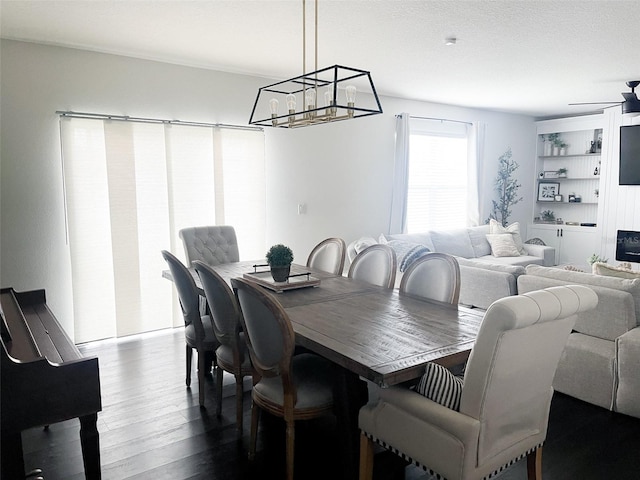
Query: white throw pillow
(502,245)
(364,242)
(513,229)
(600,268)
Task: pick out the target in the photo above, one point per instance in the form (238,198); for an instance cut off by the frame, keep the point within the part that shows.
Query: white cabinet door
(573,244)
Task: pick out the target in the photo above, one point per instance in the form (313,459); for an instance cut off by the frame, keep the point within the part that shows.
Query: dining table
(374,336)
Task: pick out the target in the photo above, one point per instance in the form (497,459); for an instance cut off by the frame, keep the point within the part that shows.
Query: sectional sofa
(484,277)
(601,360)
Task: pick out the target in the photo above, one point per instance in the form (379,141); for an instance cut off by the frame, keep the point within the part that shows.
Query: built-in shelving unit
(568,186)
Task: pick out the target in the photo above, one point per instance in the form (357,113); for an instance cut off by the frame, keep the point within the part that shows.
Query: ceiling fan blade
(596,103)
(629,96)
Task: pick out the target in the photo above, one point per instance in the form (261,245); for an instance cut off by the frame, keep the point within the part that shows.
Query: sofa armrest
(542,251)
(628,359)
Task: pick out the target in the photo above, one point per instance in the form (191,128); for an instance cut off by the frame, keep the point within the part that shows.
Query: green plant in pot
(562,172)
(279,258)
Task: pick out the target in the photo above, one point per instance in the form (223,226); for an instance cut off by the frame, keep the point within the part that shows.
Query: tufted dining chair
(376,265)
(198,329)
(434,276)
(501,413)
(294,387)
(232,355)
(211,244)
(328,256)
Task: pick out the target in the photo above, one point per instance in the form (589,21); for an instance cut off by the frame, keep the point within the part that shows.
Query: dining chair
(376,265)
(434,276)
(294,387)
(500,413)
(211,244)
(232,355)
(328,256)
(198,329)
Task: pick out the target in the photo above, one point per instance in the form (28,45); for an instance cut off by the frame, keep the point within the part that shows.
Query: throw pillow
(363,243)
(599,268)
(503,245)
(412,255)
(441,386)
(454,242)
(406,252)
(513,229)
(572,268)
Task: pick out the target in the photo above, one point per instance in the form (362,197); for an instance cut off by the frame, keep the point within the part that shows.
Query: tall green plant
(506,188)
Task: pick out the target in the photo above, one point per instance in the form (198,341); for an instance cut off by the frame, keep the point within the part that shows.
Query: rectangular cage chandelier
(322,96)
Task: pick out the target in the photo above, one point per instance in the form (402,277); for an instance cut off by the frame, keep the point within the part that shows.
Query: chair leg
(290,446)
(219,378)
(189,356)
(239,394)
(255,417)
(534,464)
(366,457)
(202,368)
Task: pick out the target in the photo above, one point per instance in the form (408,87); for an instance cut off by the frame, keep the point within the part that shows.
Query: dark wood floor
(151,427)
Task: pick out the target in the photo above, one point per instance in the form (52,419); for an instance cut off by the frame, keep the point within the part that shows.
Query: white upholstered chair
(232,355)
(198,328)
(376,265)
(505,396)
(434,276)
(213,245)
(293,387)
(328,256)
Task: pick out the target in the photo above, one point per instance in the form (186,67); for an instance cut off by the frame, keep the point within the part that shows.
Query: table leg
(350,393)
(90,442)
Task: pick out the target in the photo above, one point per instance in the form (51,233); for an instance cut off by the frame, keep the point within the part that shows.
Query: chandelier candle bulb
(273,104)
(350,91)
(310,97)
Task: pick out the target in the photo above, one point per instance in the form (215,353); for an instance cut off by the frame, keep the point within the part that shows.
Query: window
(437,177)
(130,187)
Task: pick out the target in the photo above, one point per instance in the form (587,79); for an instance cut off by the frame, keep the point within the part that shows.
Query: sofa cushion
(421,238)
(454,242)
(479,242)
(487,264)
(441,386)
(521,261)
(502,245)
(513,229)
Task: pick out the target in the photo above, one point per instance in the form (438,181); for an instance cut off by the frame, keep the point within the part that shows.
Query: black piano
(45,379)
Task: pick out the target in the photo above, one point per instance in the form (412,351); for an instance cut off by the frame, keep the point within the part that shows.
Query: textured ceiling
(530,57)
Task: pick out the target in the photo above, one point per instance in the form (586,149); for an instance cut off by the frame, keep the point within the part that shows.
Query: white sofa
(484,277)
(601,358)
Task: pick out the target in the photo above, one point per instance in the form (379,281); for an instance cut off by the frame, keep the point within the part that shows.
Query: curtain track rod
(440,120)
(126,118)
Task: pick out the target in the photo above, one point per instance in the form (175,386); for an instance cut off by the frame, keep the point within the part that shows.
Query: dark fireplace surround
(628,246)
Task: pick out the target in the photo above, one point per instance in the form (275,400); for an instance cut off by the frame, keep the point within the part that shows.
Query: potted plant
(279,258)
(596,258)
(562,172)
(563,148)
(548,216)
(554,139)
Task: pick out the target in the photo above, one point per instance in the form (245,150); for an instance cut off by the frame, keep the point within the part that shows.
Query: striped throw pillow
(440,385)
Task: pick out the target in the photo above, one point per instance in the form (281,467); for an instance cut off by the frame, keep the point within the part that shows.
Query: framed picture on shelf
(550,174)
(547,191)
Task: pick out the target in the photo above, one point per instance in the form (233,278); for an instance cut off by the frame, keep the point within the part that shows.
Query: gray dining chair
(501,409)
(328,256)
(213,245)
(376,265)
(434,276)
(293,387)
(198,329)
(232,355)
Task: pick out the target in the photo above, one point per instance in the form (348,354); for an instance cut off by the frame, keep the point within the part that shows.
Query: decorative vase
(547,149)
(563,151)
(280,273)
(555,150)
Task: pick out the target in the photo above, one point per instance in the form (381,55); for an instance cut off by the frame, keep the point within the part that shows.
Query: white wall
(342,172)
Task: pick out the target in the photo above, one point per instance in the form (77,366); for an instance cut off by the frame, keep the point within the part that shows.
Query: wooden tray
(266,280)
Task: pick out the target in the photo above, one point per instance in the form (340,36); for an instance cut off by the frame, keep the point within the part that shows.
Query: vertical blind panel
(89,225)
(437,186)
(245,189)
